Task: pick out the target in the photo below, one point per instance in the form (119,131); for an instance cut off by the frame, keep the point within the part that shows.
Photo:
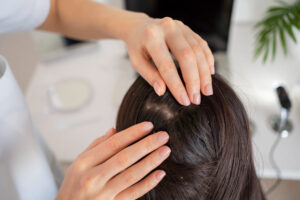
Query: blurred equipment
(69,95)
(70,42)
(282,127)
(210,19)
(280,123)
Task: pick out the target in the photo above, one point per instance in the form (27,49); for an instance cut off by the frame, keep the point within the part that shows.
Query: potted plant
(281,24)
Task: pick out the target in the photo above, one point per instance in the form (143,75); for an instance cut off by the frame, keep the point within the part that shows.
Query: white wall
(252,10)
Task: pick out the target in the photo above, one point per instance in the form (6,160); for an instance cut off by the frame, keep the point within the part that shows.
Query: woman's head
(211,155)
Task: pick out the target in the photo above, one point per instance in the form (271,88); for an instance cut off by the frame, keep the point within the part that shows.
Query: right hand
(111,169)
(150,39)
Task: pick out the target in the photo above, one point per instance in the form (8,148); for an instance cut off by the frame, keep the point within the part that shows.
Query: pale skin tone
(108,169)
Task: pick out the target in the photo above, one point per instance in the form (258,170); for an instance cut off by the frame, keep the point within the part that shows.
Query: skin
(108,168)
(147,40)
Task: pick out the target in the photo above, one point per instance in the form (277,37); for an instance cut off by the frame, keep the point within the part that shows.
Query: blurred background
(74,88)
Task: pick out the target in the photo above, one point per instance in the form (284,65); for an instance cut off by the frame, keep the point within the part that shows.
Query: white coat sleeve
(22,15)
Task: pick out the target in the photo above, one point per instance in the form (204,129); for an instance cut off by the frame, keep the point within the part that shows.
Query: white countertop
(107,69)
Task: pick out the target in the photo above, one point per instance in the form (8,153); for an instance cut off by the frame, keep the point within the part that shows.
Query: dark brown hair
(211,156)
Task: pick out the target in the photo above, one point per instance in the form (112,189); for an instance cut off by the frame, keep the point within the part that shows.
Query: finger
(131,154)
(116,143)
(159,52)
(188,63)
(204,72)
(144,186)
(135,173)
(184,49)
(202,52)
(145,68)
(203,66)
(209,55)
(97,141)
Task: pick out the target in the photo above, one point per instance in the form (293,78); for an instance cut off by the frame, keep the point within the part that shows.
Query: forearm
(148,40)
(85,19)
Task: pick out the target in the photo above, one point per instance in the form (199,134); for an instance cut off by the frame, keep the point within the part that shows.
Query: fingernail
(208,89)
(212,68)
(157,89)
(148,126)
(163,137)
(160,175)
(165,152)
(197,99)
(185,99)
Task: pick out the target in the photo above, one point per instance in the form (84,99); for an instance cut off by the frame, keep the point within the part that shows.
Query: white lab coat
(28,171)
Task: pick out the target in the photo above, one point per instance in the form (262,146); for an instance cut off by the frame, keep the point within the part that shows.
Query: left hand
(150,40)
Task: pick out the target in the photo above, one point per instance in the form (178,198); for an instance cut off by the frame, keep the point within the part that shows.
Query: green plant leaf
(282,39)
(274,45)
(295,11)
(263,35)
(293,21)
(272,19)
(277,25)
(266,50)
(276,9)
(289,29)
(259,50)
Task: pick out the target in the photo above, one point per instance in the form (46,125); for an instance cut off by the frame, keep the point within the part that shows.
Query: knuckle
(187,54)
(211,58)
(202,62)
(167,21)
(197,48)
(151,32)
(122,160)
(130,178)
(102,175)
(79,165)
(166,69)
(204,43)
(179,22)
(86,183)
(202,57)
(114,145)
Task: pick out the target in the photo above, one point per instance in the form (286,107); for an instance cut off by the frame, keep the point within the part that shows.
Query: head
(211,156)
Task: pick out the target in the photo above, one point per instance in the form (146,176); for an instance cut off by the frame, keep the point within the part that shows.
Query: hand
(109,169)
(150,39)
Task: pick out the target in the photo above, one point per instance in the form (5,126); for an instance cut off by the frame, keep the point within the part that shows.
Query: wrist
(131,21)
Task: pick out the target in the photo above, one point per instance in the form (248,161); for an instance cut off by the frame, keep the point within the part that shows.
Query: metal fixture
(281,123)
